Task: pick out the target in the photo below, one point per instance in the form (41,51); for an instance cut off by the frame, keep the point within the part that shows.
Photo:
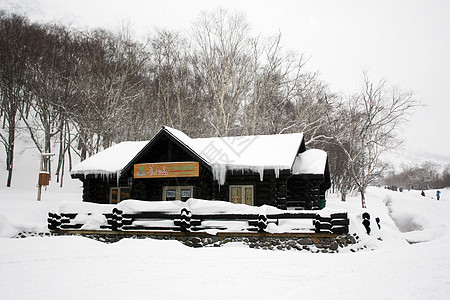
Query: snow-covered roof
(256,153)
(267,151)
(111,160)
(312,161)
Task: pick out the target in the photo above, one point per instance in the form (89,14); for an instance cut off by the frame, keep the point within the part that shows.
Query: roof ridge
(251,135)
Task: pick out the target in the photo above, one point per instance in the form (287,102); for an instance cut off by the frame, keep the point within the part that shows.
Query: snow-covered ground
(81,268)
(408,258)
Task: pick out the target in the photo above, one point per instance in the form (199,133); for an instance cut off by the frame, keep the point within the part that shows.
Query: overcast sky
(405,42)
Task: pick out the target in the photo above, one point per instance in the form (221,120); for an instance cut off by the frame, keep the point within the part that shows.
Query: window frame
(242,189)
(119,193)
(177,189)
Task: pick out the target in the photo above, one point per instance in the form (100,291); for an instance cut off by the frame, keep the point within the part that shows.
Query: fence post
(366,222)
(54,221)
(116,223)
(262,223)
(185,222)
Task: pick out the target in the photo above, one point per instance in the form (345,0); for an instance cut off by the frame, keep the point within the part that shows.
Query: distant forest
(85,90)
(427,175)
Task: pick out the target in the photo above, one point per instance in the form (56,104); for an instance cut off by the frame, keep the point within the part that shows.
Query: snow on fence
(186,220)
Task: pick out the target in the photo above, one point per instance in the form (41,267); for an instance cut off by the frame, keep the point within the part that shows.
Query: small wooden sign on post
(44,174)
(44,178)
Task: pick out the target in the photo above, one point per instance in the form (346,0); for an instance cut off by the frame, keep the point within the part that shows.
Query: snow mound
(200,206)
(420,219)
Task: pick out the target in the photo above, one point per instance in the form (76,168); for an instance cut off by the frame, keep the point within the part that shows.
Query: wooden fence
(185,221)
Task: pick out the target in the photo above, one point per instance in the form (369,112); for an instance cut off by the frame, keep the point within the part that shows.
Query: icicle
(219,173)
(118,176)
(261,173)
(277,171)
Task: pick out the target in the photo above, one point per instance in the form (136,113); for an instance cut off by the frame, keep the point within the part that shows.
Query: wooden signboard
(166,170)
(44,178)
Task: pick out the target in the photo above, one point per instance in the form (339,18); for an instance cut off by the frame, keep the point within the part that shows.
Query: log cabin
(274,170)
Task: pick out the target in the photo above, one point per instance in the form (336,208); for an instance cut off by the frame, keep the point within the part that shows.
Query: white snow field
(409,258)
(80,268)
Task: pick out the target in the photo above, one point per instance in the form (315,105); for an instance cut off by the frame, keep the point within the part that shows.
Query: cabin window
(118,194)
(177,193)
(241,194)
(186,194)
(171,194)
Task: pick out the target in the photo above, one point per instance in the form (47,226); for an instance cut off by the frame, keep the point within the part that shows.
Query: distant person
(423,193)
(438,195)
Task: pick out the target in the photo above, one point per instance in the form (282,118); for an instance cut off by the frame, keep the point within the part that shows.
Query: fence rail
(186,221)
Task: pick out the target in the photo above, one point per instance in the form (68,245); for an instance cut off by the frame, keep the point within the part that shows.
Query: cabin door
(241,194)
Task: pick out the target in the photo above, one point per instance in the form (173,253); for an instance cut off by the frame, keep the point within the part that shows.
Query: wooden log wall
(303,194)
(96,190)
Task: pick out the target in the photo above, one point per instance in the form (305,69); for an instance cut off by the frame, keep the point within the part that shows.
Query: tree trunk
(61,153)
(10,151)
(9,168)
(363,198)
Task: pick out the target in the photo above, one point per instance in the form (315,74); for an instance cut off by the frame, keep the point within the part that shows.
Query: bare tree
(173,82)
(221,61)
(108,81)
(371,128)
(283,97)
(46,87)
(15,33)
(445,178)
